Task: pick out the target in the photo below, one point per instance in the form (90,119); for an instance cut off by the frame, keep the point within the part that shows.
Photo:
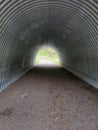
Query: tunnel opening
(47,56)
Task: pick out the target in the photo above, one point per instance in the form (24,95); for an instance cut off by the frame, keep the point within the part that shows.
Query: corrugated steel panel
(69,25)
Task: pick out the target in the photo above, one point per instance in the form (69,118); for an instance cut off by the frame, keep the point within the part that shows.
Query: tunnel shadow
(59,73)
(52,78)
(50,90)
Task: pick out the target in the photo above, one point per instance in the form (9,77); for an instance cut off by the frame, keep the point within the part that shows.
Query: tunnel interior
(71,26)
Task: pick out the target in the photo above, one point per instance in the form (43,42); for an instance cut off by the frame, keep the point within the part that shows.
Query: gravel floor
(49,99)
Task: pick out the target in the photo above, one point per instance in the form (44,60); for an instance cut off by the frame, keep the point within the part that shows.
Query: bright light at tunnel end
(47,56)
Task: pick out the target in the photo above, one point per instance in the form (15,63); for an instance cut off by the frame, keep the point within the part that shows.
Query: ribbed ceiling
(71,26)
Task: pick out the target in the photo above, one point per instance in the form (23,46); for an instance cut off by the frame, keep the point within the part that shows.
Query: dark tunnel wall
(69,25)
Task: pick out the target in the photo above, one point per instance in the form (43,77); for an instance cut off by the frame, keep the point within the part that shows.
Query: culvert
(71,26)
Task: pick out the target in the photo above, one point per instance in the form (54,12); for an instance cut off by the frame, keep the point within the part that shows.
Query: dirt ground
(49,99)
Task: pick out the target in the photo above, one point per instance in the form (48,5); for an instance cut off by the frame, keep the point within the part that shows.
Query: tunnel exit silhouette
(47,56)
(71,26)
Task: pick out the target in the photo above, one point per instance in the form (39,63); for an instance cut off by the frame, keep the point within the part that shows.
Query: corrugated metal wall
(69,25)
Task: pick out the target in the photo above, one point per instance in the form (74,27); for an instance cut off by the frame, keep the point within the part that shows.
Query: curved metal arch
(70,25)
